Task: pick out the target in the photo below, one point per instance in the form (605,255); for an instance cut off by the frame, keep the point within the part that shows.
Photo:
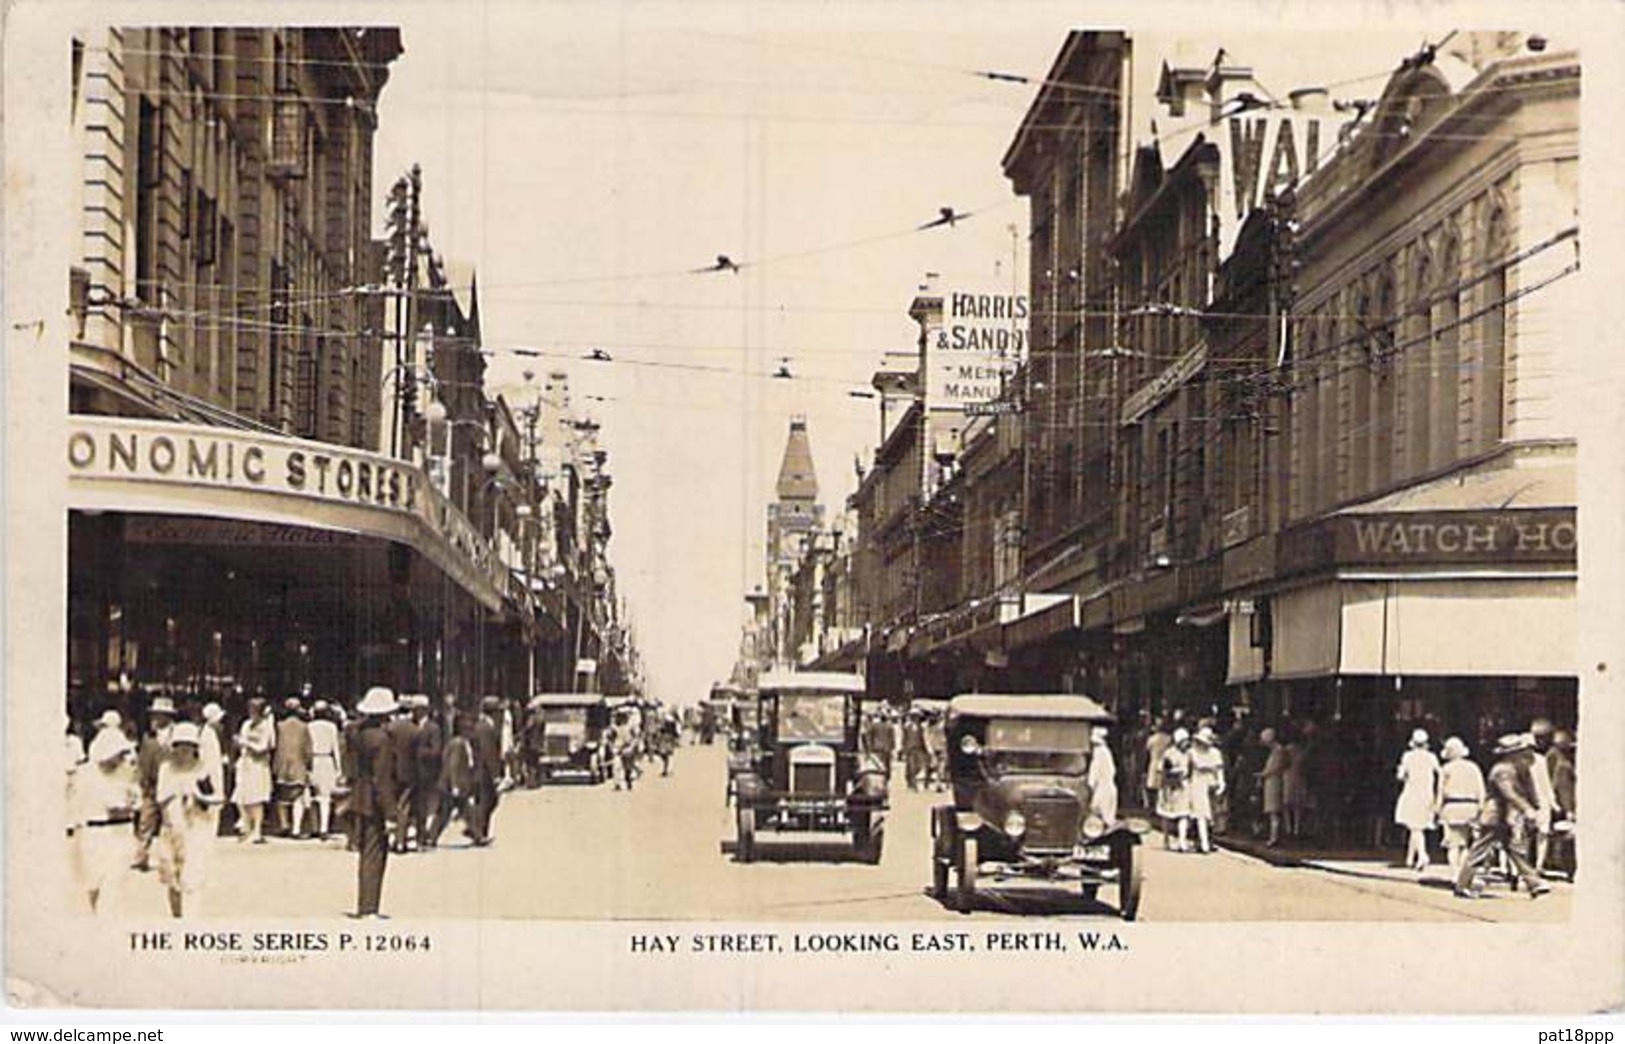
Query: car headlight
(969,745)
(1015,824)
(1093,826)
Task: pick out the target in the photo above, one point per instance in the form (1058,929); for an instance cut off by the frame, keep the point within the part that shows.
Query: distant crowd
(1301,782)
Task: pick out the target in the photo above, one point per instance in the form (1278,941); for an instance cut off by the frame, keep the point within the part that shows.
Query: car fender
(967,822)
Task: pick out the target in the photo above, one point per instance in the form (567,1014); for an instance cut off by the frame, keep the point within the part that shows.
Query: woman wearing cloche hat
(1418,776)
(186,797)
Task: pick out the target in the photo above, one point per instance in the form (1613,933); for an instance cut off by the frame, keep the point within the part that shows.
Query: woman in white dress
(255,742)
(1206,783)
(1461,795)
(186,797)
(1174,798)
(1102,777)
(325,759)
(1418,775)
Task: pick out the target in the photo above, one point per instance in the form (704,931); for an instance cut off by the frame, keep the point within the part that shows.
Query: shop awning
(1500,627)
(1453,625)
(1050,615)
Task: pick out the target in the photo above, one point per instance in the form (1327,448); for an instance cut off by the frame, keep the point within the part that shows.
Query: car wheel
(1090,892)
(745,848)
(968,856)
(939,878)
(547,776)
(1131,877)
(877,844)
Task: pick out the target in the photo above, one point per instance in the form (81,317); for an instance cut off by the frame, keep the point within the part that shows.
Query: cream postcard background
(55,957)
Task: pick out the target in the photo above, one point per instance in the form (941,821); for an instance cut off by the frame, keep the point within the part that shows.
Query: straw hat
(1513,742)
(1182,735)
(110,719)
(380,699)
(1419,738)
(1204,735)
(185,732)
(1454,749)
(109,745)
(162,705)
(212,713)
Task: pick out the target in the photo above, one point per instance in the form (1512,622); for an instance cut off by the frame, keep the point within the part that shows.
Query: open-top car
(567,730)
(807,773)
(1022,807)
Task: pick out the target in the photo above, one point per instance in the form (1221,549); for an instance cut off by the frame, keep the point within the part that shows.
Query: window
(1447,354)
(1386,392)
(1491,394)
(1361,371)
(1417,370)
(149,179)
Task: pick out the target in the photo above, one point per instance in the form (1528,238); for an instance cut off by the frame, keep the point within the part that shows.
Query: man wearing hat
(154,749)
(106,796)
(1511,809)
(487,741)
(370,767)
(428,743)
(403,733)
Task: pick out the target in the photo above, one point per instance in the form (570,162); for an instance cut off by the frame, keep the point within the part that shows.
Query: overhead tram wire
(220,320)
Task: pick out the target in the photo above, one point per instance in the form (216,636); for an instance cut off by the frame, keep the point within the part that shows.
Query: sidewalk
(1352,861)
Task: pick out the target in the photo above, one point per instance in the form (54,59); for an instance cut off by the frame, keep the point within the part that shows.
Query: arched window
(1490,394)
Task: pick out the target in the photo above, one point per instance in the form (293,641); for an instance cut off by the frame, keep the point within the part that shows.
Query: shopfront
(212,564)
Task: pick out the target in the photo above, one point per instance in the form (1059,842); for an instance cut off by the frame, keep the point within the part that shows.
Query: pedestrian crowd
(918,736)
(1298,782)
(390,777)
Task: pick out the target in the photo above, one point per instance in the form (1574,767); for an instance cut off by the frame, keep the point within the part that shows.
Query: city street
(663,852)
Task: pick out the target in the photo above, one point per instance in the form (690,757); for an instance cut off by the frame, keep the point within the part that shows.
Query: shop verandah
(205,609)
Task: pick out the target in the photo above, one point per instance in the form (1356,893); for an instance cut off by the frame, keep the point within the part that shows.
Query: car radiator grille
(1051,823)
(556,746)
(812,779)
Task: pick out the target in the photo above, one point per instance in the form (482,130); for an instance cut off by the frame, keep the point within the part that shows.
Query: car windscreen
(1037,745)
(812,716)
(564,715)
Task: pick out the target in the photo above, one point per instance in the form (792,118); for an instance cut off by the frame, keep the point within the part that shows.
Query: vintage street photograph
(1079,473)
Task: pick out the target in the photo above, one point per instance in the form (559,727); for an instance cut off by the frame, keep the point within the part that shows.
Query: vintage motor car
(807,773)
(1018,768)
(568,729)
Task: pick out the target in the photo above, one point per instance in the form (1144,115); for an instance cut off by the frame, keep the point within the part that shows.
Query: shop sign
(161,529)
(1164,384)
(121,449)
(1527,535)
(972,353)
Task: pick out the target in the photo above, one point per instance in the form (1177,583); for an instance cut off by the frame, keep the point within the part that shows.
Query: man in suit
(403,734)
(149,756)
(487,765)
(370,767)
(1510,813)
(427,745)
